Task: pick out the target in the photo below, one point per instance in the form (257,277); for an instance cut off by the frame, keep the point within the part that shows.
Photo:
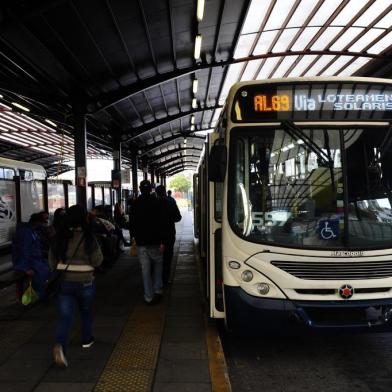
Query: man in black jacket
(146,220)
(171,216)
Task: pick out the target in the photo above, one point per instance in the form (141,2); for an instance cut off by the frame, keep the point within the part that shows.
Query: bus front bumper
(243,309)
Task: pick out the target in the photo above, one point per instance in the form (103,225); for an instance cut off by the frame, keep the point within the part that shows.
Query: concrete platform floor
(27,334)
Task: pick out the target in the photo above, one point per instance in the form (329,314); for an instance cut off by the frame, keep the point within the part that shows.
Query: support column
(152,173)
(157,177)
(116,172)
(80,147)
(135,187)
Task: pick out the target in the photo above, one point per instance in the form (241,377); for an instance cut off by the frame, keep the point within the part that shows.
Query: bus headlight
(263,288)
(234,265)
(247,276)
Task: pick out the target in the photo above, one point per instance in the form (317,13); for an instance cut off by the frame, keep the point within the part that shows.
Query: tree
(180,183)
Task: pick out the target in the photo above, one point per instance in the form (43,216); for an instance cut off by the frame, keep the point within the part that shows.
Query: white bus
(294,205)
(31,194)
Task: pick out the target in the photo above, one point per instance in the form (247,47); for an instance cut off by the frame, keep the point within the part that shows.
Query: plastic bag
(29,296)
(133,250)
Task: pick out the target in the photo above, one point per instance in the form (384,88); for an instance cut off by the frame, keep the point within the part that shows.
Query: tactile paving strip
(132,364)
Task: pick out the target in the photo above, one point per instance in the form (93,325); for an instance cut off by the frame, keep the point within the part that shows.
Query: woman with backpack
(75,254)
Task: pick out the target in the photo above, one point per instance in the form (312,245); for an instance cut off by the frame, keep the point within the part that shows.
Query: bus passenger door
(214,225)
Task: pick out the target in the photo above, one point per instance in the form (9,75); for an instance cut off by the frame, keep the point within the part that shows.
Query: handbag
(29,295)
(54,283)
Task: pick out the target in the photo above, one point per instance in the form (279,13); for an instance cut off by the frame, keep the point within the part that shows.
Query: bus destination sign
(318,101)
(302,102)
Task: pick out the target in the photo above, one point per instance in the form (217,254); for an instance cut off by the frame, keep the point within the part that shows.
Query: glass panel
(284,40)
(304,38)
(279,14)
(56,197)
(30,198)
(255,16)
(346,38)
(326,37)
(319,65)
(337,65)
(288,191)
(324,12)
(264,42)
(7,211)
(89,198)
(250,70)
(302,65)
(268,66)
(244,45)
(71,195)
(372,12)
(9,173)
(284,192)
(369,209)
(98,196)
(231,78)
(354,66)
(284,66)
(301,13)
(218,195)
(365,40)
(348,12)
(385,22)
(107,195)
(382,44)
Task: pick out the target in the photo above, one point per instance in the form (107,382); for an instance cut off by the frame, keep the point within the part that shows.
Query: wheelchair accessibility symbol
(329,229)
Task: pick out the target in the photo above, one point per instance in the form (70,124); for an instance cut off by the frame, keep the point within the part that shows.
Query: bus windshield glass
(318,188)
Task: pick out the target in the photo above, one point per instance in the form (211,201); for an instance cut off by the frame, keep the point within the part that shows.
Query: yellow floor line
(220,381)
(132,365)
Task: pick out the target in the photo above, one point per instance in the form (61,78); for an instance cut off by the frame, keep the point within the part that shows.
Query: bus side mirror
(217,163)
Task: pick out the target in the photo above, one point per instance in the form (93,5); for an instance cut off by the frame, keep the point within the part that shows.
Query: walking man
(147,228)
(171,216)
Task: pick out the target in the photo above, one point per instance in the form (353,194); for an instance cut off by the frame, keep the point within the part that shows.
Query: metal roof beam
(179,168)
(174,165)
(174,159)
(134,133)
(171,152)
(104,101)
(161,143)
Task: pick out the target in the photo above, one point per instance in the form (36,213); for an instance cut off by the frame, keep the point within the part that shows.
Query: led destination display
(256,103)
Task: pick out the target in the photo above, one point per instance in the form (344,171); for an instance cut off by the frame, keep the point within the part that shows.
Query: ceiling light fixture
(194,103)
(192,119)
(195,85)
(197,46)
(51,122)
(200,10)
(20,106)
(192,128)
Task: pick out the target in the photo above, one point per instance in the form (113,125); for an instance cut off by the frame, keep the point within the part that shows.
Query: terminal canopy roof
(132,66)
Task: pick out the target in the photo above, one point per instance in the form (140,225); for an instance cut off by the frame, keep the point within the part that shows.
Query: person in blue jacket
(28,254)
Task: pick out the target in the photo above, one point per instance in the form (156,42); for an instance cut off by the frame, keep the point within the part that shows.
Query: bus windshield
(323,188)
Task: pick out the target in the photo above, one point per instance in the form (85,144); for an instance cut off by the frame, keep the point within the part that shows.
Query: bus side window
(26,175)
(2,173)
(218,196)
(8,173)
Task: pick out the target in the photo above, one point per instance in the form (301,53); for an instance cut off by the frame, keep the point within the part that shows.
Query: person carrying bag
(74,255)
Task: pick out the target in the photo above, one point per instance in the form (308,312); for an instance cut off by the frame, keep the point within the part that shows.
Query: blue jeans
(152,263)
(73,293)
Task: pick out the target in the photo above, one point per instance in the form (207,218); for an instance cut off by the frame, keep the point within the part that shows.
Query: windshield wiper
(325,158)
(297,133)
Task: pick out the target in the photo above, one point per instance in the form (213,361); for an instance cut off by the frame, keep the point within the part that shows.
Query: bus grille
(336,271)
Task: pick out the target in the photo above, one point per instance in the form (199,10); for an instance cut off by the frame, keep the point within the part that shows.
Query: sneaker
(59,357)
(88,344)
